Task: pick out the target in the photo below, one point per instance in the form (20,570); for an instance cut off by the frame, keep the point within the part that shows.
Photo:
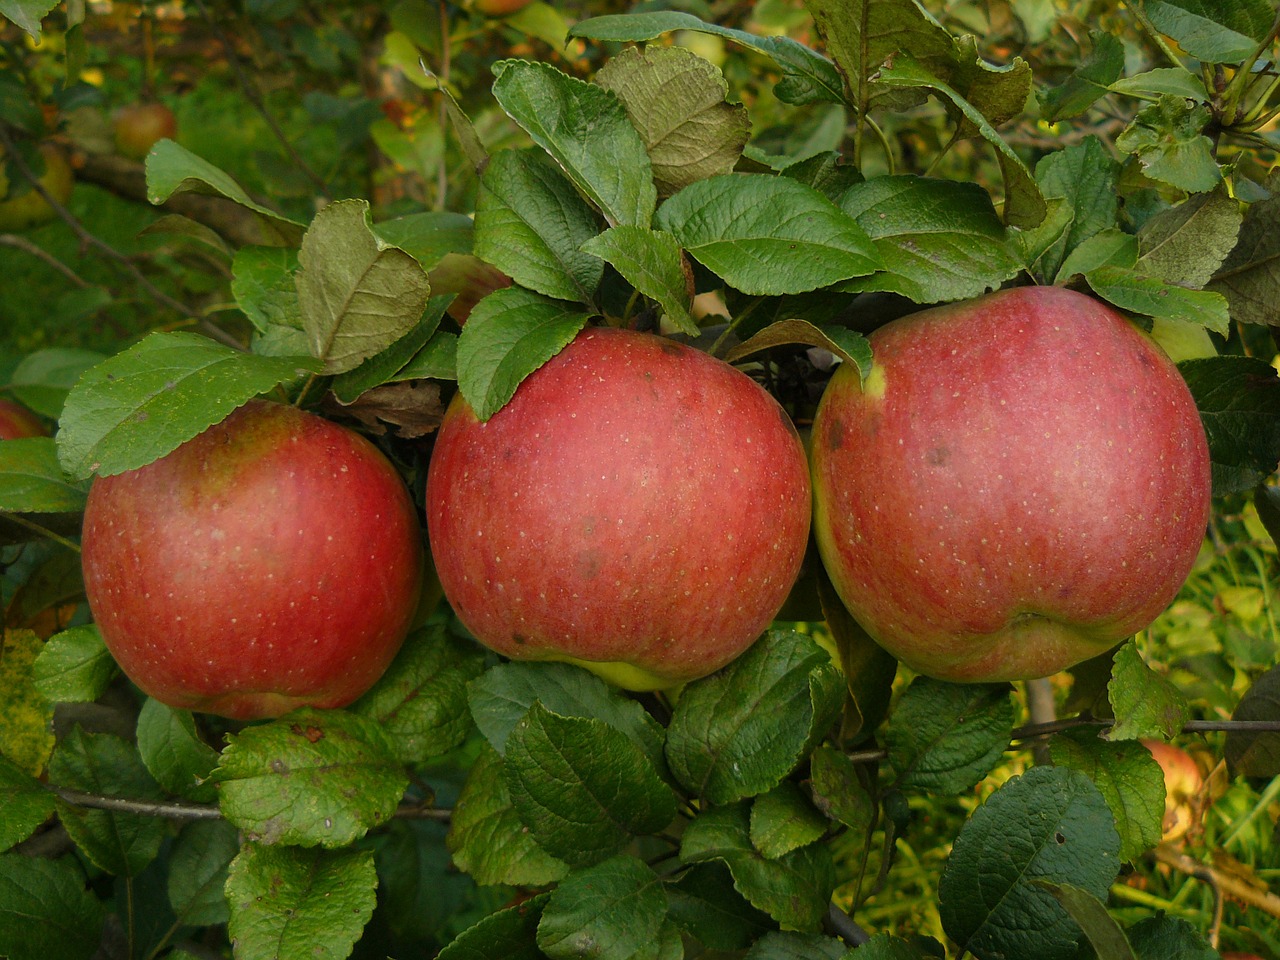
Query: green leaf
(585,129)
(1105,935)
(312,777)
(25,804)
(1168,140)
(509,934)
(614,910)
(783,820)
(292,904)
(42,379)
(1169,938)
(767,235)
(650,261)
(1178,81)
(198,863)
(582,788)
(500,699)
(1186,244)
(939,240)
(143,403)
(676,101)
(27,14)
(1253,753)
(531,224)
(357,293)
(1089,82)
(1129,779)
(31,481)
(779,945)
(173,752)
(173,169)
(946,737)
(738,732)
(74,666)
(884,947)
(45,911)
(1152,297)
(1239,402)
(430,236)
(839,791)
(1250,276)
(107,766)
(26,717)
(1111,247)
(390,364)
(486,836)
(421,700)
(869,669)
(509,335)
(1087,178)
(1211,30)
(848,345)
(1145,703)
(795,889)
(807,76)
(704,904)
(1047,824)
(264,283)
(437,360)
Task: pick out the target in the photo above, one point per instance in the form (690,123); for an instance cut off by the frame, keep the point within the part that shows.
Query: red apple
(500,8)
(1182,781)
(140,125)
(639,507)
(1240,956)
(17,422)
(272,562)
(1021,483)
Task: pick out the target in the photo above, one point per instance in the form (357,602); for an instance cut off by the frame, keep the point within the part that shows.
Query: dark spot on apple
(938,457)
(835,434)
(589,564)
(788,423)
(519,639)
(671,348)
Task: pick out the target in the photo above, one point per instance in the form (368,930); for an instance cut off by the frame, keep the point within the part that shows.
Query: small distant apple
(640,508)
(500,8)
(1182,782)
(23,210)
(17,422)
(139,126)
(1236,955)
(272,562)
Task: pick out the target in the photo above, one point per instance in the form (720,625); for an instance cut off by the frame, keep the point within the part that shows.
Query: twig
(846,927)
(1225,883)
(26,246)
(1042,710)
(31,525)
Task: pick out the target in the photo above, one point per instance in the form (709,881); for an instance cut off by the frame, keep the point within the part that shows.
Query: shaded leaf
(1152,297)
(1144,702)
(704,903)
(1168,938)
(614,910)
(650,261)
(1088,82)
(1249,752)
(42,379)
(25,804)
(1239,402)
(45,911)
(1105,935)
(1250,276)
(946,737)
(510,934)
(198,864)
(31,480)
(1169,141)
(1214,32)
(783,820)
(1187,243)
(173,752)
(848,345)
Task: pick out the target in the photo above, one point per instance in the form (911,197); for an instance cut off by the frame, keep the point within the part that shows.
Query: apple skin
(639,507)
(272,562)
(500,8)
(1182,781)
(29,209)
(1022,483)
(17,422)
(139,126)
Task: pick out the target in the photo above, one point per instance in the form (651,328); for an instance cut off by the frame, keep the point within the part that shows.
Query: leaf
(1153,297)
(614,910)
(310,778)
(1105,935)
(107,766)
(676,101)
(1111,247)
(292,904)
(725,740)
(839,792)
(783,820)
(807,76)
(173,752)
(1046,824)
(198,863)
(869,669)
(1088,83)
(848,345)
(27,14)
(386,366)
(173,169)
(585,129)
(486,836)
(939,240)
(421,700)
(794,889)
(1212,31)
(42,379)
(1253,753)
(885,947)
(1145,703)
(531,224)
(1164,937)
(45,911)
(767,235)
(510,934)
(143,403)
(1239,402)
(1154,83)
(704,904)
(582,788)
(1168,140)
(780,945)
(1127,776)
(31,481)
(946,737)
(264,283)
(25,804)
(509,335)
(1186,244)
(74,666)
(357,293)
(650,261)
(1250,276)
(26,717)
(1087,178)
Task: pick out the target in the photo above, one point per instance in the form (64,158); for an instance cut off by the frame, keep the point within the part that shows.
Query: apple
(1021,483)
(272,562)
(1233,955)
(639,507)
(500,8)
(139,126)
(17,422)
(29,209)
(1182,781)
